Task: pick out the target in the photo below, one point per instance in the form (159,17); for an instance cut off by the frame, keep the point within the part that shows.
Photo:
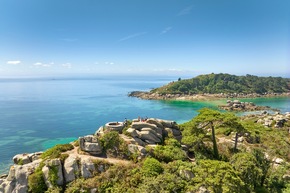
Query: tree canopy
(226,83)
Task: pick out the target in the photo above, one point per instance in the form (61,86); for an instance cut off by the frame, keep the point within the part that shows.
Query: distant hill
(226,83)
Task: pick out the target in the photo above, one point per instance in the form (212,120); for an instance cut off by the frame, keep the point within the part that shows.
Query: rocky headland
(85,157)
(114,156)
(201,97)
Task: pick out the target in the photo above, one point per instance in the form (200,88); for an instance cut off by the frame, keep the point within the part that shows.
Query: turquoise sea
(36,114)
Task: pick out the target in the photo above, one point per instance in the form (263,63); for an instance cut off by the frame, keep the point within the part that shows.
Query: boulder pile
(237,105)
(153,131)
(277,120)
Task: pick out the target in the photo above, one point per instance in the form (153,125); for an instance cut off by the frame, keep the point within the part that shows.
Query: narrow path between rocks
(110,160)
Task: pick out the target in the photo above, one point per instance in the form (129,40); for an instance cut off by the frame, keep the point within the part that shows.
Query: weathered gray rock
(11,175)
(22,159)
(88,138)
(17,179)
(25,158)
(140,125)
(178,138)
(7,186)
(156,132)
(132,132)
(139,141)
(71,168)
(87,168)
(149,137)
(167,123)
(94,190)
(202,189)
(174,132)
(100,131)
(93,148)
(155,122)
(277,120)
(49,167)
(137,149)
(278,160)
(133,148)
(90,144)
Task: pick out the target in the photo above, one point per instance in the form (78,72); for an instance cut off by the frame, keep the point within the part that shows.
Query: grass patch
(55,152)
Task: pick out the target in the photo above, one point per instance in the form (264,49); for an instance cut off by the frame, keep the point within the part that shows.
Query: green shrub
(54,190)
(172,142)
(55,152)
(151,167)
(163,183)
(217,176)
(168,153)
(114,145)
(20,162)
(36,183)
(77,186)
(76,143)
(52,175)
(63,156)
(247,166)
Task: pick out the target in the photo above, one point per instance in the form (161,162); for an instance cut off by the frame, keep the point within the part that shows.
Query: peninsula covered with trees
(219,86)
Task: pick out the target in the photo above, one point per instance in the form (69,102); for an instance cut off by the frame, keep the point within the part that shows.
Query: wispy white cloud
(166,30)
(185,11)
(14,62)
(132,36)
(40,64)
(109,63)
(67,65)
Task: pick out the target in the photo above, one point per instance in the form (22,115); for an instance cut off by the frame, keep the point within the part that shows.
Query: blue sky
(144,37)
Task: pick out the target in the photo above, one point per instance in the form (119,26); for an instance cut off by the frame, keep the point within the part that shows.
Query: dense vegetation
(226,83)
(214,161)
(217,163)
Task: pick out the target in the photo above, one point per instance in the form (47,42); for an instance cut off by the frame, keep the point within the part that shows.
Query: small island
(219,86)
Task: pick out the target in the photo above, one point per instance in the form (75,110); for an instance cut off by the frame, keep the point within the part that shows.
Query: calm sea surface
(36,114)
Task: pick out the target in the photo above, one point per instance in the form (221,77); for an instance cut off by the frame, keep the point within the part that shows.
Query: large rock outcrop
(53,168)
(17,180)
(90,144)
(153,131)
(55,172)
(71,168)
(72,165)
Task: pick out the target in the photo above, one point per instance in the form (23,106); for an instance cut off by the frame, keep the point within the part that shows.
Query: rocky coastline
(238,106)
(202,97)
(85,157)
(89,156)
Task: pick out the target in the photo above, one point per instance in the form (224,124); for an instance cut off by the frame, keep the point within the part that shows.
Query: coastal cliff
(145,155)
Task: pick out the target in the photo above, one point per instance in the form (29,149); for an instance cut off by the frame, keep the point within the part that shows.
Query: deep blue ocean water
(36,114)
